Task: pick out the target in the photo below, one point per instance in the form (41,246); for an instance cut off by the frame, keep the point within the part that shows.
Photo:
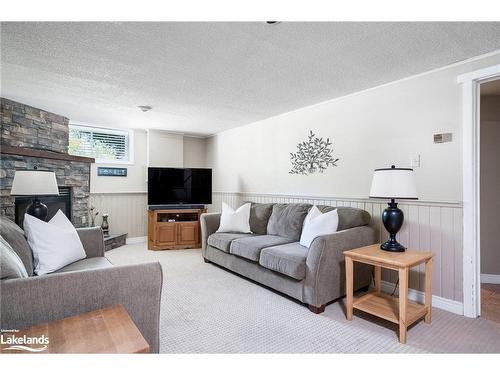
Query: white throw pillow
(235,221)
(54,244)
(318,224)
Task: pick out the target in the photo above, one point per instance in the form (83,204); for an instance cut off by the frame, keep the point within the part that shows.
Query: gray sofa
(272,255)
(88,284)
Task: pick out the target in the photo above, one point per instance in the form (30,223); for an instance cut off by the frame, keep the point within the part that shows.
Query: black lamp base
(392,217)
(392,245)
(38,210)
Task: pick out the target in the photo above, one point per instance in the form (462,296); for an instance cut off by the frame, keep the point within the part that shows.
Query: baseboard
(133,240)
(490,279)
(418,296)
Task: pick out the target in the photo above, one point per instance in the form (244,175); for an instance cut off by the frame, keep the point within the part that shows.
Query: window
(105,145)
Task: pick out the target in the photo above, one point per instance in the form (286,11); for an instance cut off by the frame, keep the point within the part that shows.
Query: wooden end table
(108,330)
(396,310)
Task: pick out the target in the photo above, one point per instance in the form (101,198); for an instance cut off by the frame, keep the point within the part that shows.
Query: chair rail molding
(471,189)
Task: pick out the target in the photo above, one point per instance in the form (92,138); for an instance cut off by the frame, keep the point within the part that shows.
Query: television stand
(171,229)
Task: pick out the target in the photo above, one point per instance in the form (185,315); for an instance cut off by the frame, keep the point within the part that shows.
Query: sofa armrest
(39,299)
(92,241)
(209,225)
(325,266)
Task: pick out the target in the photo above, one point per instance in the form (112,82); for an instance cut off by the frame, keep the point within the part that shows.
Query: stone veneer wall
(28,127)
(25,126)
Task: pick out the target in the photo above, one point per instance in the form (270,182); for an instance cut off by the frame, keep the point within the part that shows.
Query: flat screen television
(172,186)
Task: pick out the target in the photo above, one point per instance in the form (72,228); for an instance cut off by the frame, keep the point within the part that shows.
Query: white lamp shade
(34,183)
(393,183)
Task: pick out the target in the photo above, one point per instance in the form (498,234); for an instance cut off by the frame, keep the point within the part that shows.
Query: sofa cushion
(349,217)
(86,264)
(286,220)
(250,247)
(288,259)
(259,217)
(11,266)
(15,238)
(222,241)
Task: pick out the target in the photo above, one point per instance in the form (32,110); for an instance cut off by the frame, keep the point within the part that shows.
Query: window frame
(115,131)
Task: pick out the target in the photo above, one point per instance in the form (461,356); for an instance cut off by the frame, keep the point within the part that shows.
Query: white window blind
(105,145)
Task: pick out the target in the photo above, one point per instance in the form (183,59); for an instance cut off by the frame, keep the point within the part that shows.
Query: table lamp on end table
(393,183)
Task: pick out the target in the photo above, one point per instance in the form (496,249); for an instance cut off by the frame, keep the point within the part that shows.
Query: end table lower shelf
(386,307)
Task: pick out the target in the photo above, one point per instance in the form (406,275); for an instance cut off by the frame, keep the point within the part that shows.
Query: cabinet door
(188,233)
(166,233)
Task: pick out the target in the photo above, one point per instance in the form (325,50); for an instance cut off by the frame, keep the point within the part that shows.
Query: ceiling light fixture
(273,22)
(145,108)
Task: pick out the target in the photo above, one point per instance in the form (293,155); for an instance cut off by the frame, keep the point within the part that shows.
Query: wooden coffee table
(399,311)
(108,330)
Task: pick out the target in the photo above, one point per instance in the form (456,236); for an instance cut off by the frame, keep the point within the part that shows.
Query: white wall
(375,128)
(165,149)
(195,152)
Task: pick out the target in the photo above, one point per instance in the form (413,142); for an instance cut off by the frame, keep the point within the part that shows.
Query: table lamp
(35,183)
(393,183)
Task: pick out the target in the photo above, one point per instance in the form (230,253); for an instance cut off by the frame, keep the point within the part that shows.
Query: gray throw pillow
(286,220)
(11,266)
(259,217)
(15,237)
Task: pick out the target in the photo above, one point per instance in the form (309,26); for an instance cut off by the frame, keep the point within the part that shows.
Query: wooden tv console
(174,229)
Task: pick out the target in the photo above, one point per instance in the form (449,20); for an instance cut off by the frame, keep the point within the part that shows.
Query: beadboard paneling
(428,226)
(127,212)
(434,226)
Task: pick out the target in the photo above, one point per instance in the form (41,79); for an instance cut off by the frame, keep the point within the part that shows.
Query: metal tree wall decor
(312,155)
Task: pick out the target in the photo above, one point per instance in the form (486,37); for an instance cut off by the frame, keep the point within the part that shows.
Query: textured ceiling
(206,77)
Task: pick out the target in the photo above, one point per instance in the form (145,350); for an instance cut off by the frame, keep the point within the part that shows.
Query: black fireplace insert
(54,203)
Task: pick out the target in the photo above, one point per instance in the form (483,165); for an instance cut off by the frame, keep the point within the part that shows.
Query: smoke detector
(145,108)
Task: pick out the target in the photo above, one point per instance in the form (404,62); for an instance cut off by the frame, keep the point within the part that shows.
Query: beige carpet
(206,309)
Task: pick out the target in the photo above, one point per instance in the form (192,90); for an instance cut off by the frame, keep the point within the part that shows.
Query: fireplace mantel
(24,151)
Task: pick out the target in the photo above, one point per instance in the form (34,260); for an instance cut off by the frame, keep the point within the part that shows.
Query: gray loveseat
(272,255)
(88,284)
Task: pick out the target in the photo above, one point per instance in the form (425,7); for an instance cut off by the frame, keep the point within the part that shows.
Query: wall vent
(442,137)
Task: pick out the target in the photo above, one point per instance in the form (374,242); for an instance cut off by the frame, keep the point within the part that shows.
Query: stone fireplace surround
(33,137)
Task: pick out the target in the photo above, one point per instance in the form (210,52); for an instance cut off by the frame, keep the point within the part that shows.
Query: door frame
(471,185)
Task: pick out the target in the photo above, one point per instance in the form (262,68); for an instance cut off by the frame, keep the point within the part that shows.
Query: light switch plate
(415,161)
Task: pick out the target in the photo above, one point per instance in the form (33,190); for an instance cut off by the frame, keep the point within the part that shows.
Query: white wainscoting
(428,226)
(434,226)
(127,212)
